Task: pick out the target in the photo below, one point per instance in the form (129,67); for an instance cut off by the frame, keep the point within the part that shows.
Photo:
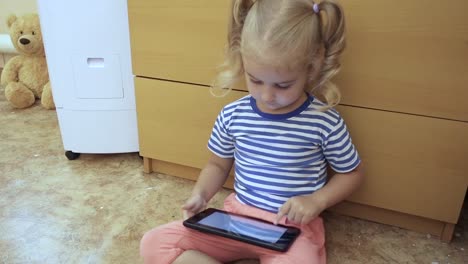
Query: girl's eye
(283,86)
(256,81)
(34,33)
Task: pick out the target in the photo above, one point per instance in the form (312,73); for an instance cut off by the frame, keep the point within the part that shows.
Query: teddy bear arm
(10,71)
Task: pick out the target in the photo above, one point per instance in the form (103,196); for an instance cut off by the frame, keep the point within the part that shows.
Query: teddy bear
(25,76)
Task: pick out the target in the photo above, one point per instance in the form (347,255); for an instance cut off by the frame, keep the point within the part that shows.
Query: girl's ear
(316,64)
(315,67)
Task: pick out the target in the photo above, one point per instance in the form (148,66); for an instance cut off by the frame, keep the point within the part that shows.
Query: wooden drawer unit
(404,86)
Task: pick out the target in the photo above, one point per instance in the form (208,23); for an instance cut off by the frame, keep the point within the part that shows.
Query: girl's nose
(268,94)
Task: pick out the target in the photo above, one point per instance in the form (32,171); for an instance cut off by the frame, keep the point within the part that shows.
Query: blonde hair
(286,33)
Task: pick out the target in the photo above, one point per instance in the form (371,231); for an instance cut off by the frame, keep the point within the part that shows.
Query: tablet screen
(244,226)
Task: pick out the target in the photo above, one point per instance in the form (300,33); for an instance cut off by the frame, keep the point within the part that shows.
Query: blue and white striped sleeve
(221,141)
(339,150)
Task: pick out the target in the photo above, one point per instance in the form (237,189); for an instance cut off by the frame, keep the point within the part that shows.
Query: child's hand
(193,205)
(301,209)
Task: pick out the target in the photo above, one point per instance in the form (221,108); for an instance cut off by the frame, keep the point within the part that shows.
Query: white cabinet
(88,54)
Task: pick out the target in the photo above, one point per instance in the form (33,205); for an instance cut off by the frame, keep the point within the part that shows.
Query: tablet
(242,228)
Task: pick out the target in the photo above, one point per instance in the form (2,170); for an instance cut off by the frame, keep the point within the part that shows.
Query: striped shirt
(278,156)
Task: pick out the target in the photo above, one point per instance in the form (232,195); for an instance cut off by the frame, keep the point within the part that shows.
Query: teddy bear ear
(11,19)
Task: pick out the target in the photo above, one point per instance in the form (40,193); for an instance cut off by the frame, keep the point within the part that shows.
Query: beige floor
(95,209)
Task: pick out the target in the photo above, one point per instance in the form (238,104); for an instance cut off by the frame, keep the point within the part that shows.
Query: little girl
(281,137)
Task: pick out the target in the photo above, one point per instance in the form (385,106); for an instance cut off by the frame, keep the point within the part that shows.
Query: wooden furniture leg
(147,165)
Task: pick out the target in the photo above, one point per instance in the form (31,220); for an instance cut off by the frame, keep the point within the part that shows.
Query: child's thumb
(284,210)
(190,203)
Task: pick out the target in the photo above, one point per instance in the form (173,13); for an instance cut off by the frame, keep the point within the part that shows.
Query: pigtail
(333,36)
(240,9)
(231,72)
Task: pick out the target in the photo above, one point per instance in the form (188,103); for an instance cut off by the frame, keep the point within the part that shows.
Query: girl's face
(276,90)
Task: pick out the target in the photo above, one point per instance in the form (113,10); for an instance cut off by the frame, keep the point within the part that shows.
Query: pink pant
(165,243)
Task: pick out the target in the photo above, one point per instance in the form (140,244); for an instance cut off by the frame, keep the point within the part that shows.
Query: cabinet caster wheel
(71,155)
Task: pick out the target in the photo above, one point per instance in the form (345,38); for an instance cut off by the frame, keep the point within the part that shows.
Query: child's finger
(284,210)
(190,204)
(186,214)
(293,217)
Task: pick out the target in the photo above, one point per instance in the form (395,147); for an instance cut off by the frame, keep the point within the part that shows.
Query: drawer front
(410,57)
(415,165)
(410,60)
(175,120)
(178,40)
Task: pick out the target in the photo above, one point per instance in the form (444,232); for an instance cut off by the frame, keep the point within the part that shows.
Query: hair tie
(316,8)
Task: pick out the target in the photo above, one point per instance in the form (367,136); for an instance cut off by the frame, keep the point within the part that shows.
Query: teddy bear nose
(24,41)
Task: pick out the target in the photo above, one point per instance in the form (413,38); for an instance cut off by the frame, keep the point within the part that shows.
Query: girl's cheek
(252,90)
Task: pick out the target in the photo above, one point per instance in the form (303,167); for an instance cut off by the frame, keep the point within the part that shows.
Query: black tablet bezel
(282,244)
